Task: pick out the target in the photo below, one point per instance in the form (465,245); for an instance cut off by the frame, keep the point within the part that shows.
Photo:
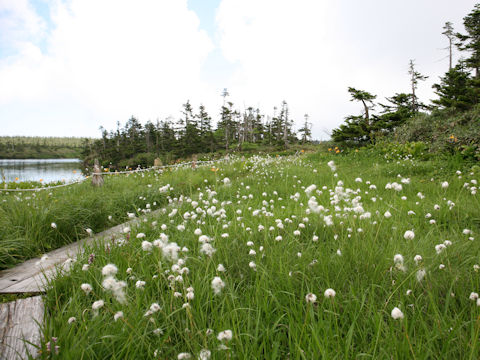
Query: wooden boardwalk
(19,319)
(29,277)
(19,327)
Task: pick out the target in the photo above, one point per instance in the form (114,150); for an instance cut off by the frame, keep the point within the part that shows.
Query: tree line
(33,147)
(194,133)
(458,90)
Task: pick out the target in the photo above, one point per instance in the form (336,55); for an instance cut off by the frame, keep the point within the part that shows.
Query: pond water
(46,170)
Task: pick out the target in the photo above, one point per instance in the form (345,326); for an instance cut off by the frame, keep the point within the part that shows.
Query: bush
(445,131)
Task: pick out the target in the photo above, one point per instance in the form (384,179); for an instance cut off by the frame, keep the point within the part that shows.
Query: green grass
(26,217)
(265,306)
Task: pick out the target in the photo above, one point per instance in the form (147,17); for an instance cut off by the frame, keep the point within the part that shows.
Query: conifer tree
(305,130)
(456,89)
(366,98)
(415,77)
(471,40)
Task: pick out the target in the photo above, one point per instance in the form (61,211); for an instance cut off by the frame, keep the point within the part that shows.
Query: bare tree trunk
(367,115)
(450,53)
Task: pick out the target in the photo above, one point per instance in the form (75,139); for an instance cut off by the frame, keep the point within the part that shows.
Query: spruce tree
(471,40)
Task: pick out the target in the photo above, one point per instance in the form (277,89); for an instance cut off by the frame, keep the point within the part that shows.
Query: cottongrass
(279,252)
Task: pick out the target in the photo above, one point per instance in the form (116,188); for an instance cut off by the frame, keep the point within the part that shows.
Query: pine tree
(415,77)
(394,115)
(206,134)
(471,41)
(456,89)
(366,98)
(305,130)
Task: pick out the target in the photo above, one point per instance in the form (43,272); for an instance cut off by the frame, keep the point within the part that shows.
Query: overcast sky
(68,67)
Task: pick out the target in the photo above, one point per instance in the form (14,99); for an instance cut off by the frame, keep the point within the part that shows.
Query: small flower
(409,235)
(87,288)
(310,298)
(53,225)
(417,259)
(207,249)
(329,293)
(204,354)
(72,320)
(444,184)
(421,274)
(140,284)
(220,268)
(183,356)
(98,304)
(397,313)
(109,270)
(147,245)
(473,296)
(155,307)
(252,265)
(398,259)
(439,248)
(225,335)
(217,285)
(118,315)
(387,214)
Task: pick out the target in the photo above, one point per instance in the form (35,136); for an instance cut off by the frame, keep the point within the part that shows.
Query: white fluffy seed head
(329,293)
(397,314)
(398,259)
(98,304)
(225,335)
(109,270)
(217,285)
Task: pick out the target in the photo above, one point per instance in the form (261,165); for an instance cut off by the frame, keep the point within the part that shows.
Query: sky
(68,67)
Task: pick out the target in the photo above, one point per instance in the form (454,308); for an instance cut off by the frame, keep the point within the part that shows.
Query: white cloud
(309,51)
(104,61)
(18,22)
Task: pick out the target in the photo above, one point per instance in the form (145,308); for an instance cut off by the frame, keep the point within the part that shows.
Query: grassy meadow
(26,217)
(316,256)
(33,147)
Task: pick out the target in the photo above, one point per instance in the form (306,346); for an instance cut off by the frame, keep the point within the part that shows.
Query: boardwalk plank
(18,325)
(29,277)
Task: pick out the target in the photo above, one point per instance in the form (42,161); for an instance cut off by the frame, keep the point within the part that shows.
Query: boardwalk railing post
(157,163)
(194,162)
(97,179)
